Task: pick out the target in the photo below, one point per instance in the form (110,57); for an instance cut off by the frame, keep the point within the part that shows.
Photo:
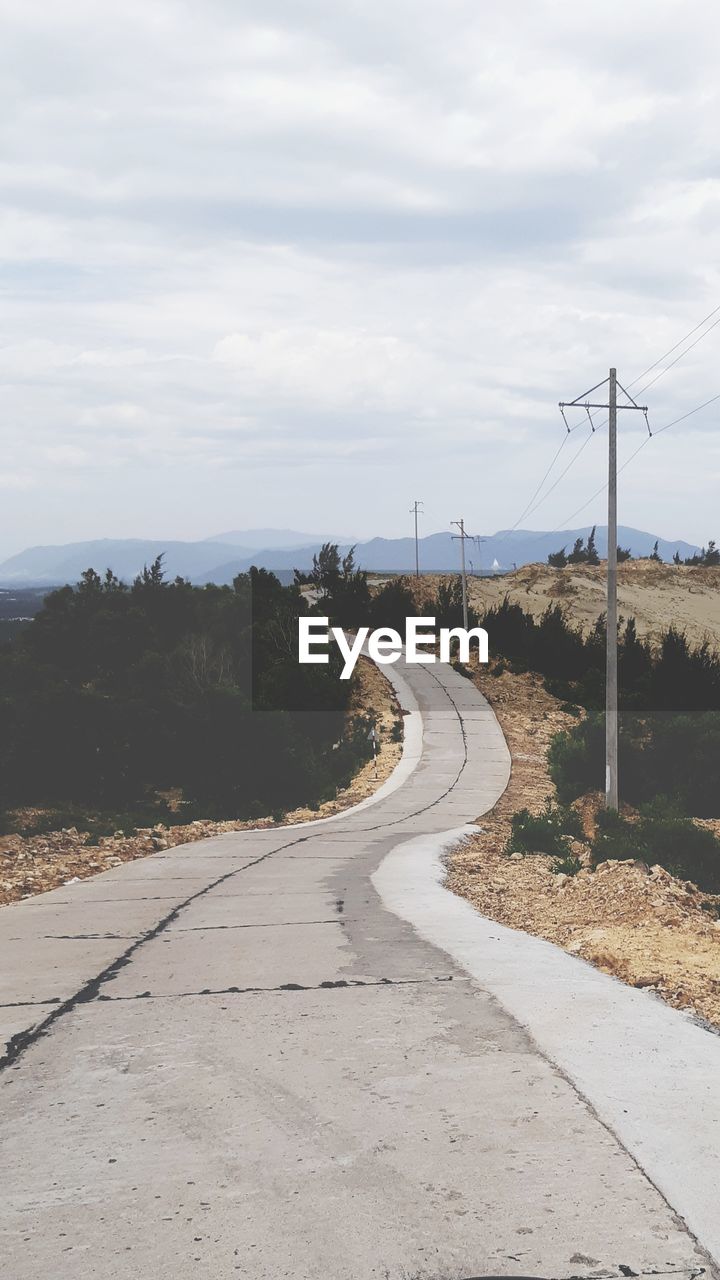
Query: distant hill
(440,553)
(125,556)
(273,539)
(219,561)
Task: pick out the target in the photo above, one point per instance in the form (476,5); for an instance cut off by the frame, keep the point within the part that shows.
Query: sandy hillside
(654,594)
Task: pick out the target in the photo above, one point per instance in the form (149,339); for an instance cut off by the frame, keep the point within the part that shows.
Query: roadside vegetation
(115,696)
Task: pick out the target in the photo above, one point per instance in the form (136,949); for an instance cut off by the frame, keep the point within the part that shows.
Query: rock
(516,857)
(635,863)
(659,873)
(561,879)
(159,842)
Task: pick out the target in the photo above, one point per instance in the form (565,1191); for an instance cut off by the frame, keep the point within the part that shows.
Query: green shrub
(659,755)
(662,836)
(545,832)
(568,866)
(577,759)
(397,732)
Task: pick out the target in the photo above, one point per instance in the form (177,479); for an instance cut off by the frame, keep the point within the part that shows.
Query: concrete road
(231,1059)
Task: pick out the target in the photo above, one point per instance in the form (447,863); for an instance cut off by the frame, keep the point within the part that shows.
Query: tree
(326,571)
(591,555)
(623,554)
(557,559)
(655,554)
(154,577)
(708,558)
(578,555)
(676,558)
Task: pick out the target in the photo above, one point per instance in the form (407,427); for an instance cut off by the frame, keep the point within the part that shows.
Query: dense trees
(114,692)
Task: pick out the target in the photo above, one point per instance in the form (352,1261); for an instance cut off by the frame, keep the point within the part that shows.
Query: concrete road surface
(231,1059)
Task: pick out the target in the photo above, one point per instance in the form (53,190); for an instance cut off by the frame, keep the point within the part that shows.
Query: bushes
(677,677)
(577,759)
(546,832)
(567,866)
(659,755)
(661,836)
(113,693)
(392,605)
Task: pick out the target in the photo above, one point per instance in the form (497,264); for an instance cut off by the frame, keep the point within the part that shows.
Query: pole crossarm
(592,404)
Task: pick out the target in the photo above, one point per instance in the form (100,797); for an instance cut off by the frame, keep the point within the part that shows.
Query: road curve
(231,1059)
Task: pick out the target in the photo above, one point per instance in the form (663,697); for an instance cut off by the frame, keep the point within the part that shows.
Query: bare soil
(35,864)
(654,594)
(634,921)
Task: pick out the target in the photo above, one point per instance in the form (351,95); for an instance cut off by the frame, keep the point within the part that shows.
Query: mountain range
(221,557)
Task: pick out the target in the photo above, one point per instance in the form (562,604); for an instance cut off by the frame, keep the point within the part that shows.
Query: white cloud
(370,246)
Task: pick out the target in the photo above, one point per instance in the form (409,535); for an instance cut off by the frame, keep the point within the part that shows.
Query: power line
(533,505)
(626,463)
(675,347)
(556,482)
(683,416)
(603,487)
(556,455)
(681,356)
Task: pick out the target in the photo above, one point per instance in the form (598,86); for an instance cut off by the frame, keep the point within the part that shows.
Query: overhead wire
(626,463)
(532,504)
(660,359)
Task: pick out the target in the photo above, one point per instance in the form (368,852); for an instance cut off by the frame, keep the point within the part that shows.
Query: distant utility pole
(463,537)
(414,510)
(611,626)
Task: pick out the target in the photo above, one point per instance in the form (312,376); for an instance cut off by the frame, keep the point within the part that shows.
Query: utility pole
(414,511)
(611,626)
(462,538)
(611,647)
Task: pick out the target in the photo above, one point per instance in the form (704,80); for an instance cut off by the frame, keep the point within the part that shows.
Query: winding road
(247,1057)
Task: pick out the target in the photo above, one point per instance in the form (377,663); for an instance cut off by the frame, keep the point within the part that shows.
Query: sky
(297,263)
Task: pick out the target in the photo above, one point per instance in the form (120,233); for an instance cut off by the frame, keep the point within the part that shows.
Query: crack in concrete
(30,1004)
(691,1272)
(22,1040)
(330,984)
(268,924)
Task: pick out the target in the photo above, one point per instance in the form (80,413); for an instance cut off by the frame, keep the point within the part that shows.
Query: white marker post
(373,738)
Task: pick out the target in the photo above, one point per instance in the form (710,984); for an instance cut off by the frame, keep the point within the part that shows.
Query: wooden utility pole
(414,511)
(611,638)
(461,537)
(611,648)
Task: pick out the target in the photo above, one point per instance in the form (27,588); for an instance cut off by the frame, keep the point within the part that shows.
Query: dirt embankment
(34,864)
(656,595)
(636,922)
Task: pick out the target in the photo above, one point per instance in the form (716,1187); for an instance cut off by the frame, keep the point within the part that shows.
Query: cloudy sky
(296,263)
